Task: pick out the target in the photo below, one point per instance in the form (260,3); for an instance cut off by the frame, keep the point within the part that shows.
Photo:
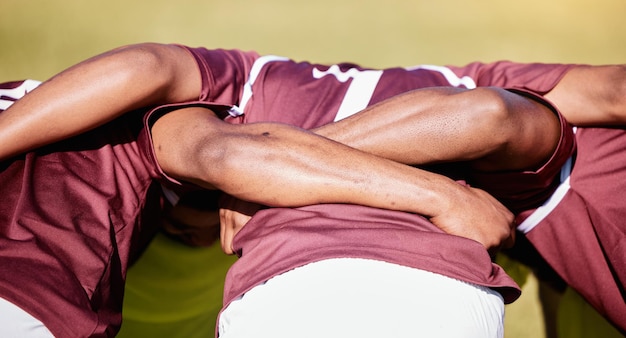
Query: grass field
(41,37)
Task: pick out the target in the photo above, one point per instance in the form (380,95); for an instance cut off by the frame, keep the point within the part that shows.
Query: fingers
(479,217)
(234,215)
(507,240)
(226,232)
(510,240)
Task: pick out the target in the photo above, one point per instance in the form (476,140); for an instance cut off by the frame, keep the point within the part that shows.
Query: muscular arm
(96,91)
(504,131)
(592,95)
(279,165)
(492,128)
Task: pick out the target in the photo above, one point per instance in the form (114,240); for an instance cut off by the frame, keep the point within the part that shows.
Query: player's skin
(592,95)
(491,136)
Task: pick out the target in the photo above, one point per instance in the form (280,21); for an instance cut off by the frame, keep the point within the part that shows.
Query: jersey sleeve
(538,78)
(224,73)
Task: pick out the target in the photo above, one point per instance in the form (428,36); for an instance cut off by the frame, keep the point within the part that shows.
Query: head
(194,220)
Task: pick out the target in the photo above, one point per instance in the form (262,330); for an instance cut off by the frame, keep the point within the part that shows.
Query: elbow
(144,55)
(523,132)
(492,111)
(147,64)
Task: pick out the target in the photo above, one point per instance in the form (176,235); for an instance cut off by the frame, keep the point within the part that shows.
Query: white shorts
(349,297)
(17,323)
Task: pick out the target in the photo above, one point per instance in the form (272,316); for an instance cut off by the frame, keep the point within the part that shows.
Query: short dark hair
(203,200)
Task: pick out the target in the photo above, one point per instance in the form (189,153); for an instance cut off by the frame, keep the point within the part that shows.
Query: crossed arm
(490,128)
(278,165)
(504,132)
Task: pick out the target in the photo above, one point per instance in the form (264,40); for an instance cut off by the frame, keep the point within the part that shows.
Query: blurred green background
(41,37)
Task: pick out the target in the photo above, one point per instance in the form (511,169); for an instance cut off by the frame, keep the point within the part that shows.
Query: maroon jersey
(75,214)
(580,231)
(589,256)
(277,240)
(310,95)
(104,180)
(69,216)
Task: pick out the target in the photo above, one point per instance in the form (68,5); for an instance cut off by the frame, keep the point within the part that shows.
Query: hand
(234,214)
(476,215)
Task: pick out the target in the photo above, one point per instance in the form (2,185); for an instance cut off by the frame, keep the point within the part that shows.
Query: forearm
(493,128)
(592,95)
(279,165)
(96,91)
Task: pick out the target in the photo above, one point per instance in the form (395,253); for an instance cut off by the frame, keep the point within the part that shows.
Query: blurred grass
(41,37)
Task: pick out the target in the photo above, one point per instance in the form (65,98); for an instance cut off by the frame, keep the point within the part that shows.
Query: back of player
(69,215)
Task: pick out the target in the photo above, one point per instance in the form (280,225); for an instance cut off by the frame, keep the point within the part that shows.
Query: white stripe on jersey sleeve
(454,80)
(11,95)
(543,211)
(247,87)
